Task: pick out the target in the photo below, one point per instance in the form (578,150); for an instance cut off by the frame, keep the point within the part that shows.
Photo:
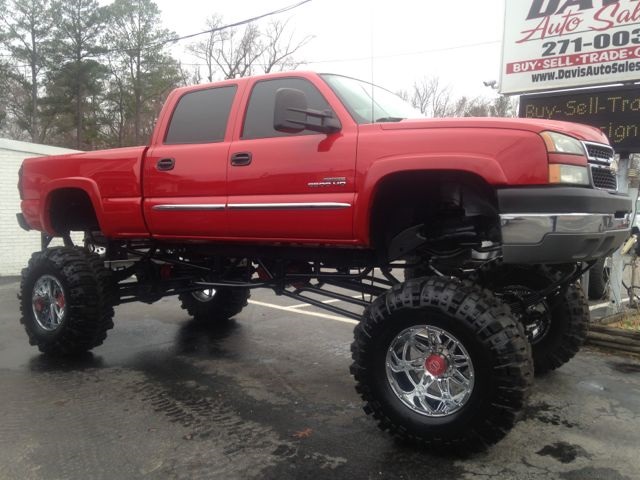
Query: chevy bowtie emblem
(329,182)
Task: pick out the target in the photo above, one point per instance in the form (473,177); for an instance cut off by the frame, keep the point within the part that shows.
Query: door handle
(165,164)
(241,159)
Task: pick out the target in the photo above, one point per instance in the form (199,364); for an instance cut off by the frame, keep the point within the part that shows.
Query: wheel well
(442,202)
(71,209)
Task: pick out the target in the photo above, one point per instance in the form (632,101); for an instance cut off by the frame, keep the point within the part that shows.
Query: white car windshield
(368,103)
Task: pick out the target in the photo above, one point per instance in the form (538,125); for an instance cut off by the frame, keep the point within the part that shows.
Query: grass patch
(630,321)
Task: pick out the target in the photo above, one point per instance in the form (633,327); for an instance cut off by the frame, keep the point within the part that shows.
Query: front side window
(201,116)
(258,121)
(368,103)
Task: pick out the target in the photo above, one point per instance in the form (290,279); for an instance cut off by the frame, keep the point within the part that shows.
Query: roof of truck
(238,81)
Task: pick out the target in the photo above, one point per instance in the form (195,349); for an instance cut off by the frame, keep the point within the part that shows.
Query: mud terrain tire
(599,280)
(218,306)
(567,312)
(66,300)
(490,338)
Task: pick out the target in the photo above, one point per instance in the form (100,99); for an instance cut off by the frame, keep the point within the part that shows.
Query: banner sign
(559,44)
(616,111)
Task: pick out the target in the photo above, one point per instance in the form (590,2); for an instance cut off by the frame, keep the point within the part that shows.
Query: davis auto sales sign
(552,44)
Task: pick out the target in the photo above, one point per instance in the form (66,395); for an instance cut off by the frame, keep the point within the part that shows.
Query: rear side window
(258,122)
(201,116)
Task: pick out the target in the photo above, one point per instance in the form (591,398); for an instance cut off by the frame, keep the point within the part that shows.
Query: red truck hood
(582,132)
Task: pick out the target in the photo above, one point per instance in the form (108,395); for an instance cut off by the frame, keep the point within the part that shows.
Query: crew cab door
(184,178)
(290,186)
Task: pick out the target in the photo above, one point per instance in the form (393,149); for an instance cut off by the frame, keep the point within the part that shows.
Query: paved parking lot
(269,396)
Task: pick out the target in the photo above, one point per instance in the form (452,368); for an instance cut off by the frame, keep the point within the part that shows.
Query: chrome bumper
(529,228)
(561,238)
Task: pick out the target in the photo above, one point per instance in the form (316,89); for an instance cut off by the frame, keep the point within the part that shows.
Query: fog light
(572,174)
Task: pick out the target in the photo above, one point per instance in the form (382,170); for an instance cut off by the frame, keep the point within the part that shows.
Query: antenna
(372,56)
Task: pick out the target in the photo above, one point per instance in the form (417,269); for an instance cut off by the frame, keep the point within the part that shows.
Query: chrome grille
(604,178)
(600,153)
(601,158)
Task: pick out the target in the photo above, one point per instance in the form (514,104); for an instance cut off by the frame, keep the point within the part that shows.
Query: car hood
(579,131)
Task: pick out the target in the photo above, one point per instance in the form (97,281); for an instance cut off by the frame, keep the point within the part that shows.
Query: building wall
(16,245)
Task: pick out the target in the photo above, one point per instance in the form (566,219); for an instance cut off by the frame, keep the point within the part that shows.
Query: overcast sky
(409,39)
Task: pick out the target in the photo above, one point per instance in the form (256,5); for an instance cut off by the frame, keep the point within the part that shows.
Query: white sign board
(554,44)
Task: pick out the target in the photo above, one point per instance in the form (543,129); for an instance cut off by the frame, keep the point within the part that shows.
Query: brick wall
(16,245)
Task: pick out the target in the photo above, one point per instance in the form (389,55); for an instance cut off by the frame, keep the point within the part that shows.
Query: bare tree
(235,52)
(205,50)
(431,98)
(188,77)
(404,95)
(505,106)
(281,47)
(434,100)
(472,107)
(238,52)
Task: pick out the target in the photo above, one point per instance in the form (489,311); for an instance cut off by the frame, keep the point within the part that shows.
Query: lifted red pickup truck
(321,185)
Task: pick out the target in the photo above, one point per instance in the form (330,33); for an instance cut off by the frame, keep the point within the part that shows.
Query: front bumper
(561,224)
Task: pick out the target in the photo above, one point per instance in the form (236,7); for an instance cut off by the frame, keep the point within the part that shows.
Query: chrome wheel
(204,295)
(430,371)
(48,303)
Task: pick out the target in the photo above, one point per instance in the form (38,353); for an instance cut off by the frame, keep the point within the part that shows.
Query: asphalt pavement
(268,396)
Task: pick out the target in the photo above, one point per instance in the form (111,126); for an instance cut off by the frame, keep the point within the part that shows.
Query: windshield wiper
(389,119)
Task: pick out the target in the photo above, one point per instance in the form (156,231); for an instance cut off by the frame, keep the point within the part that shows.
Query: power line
(378,57)
(312,62)
(408,54)
(204,32)
(237,24)
(352,59)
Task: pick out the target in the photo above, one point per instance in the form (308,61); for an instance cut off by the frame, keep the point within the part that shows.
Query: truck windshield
(368,103)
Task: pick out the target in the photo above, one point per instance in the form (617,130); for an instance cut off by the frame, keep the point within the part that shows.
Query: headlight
(573,174)
(559,143)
